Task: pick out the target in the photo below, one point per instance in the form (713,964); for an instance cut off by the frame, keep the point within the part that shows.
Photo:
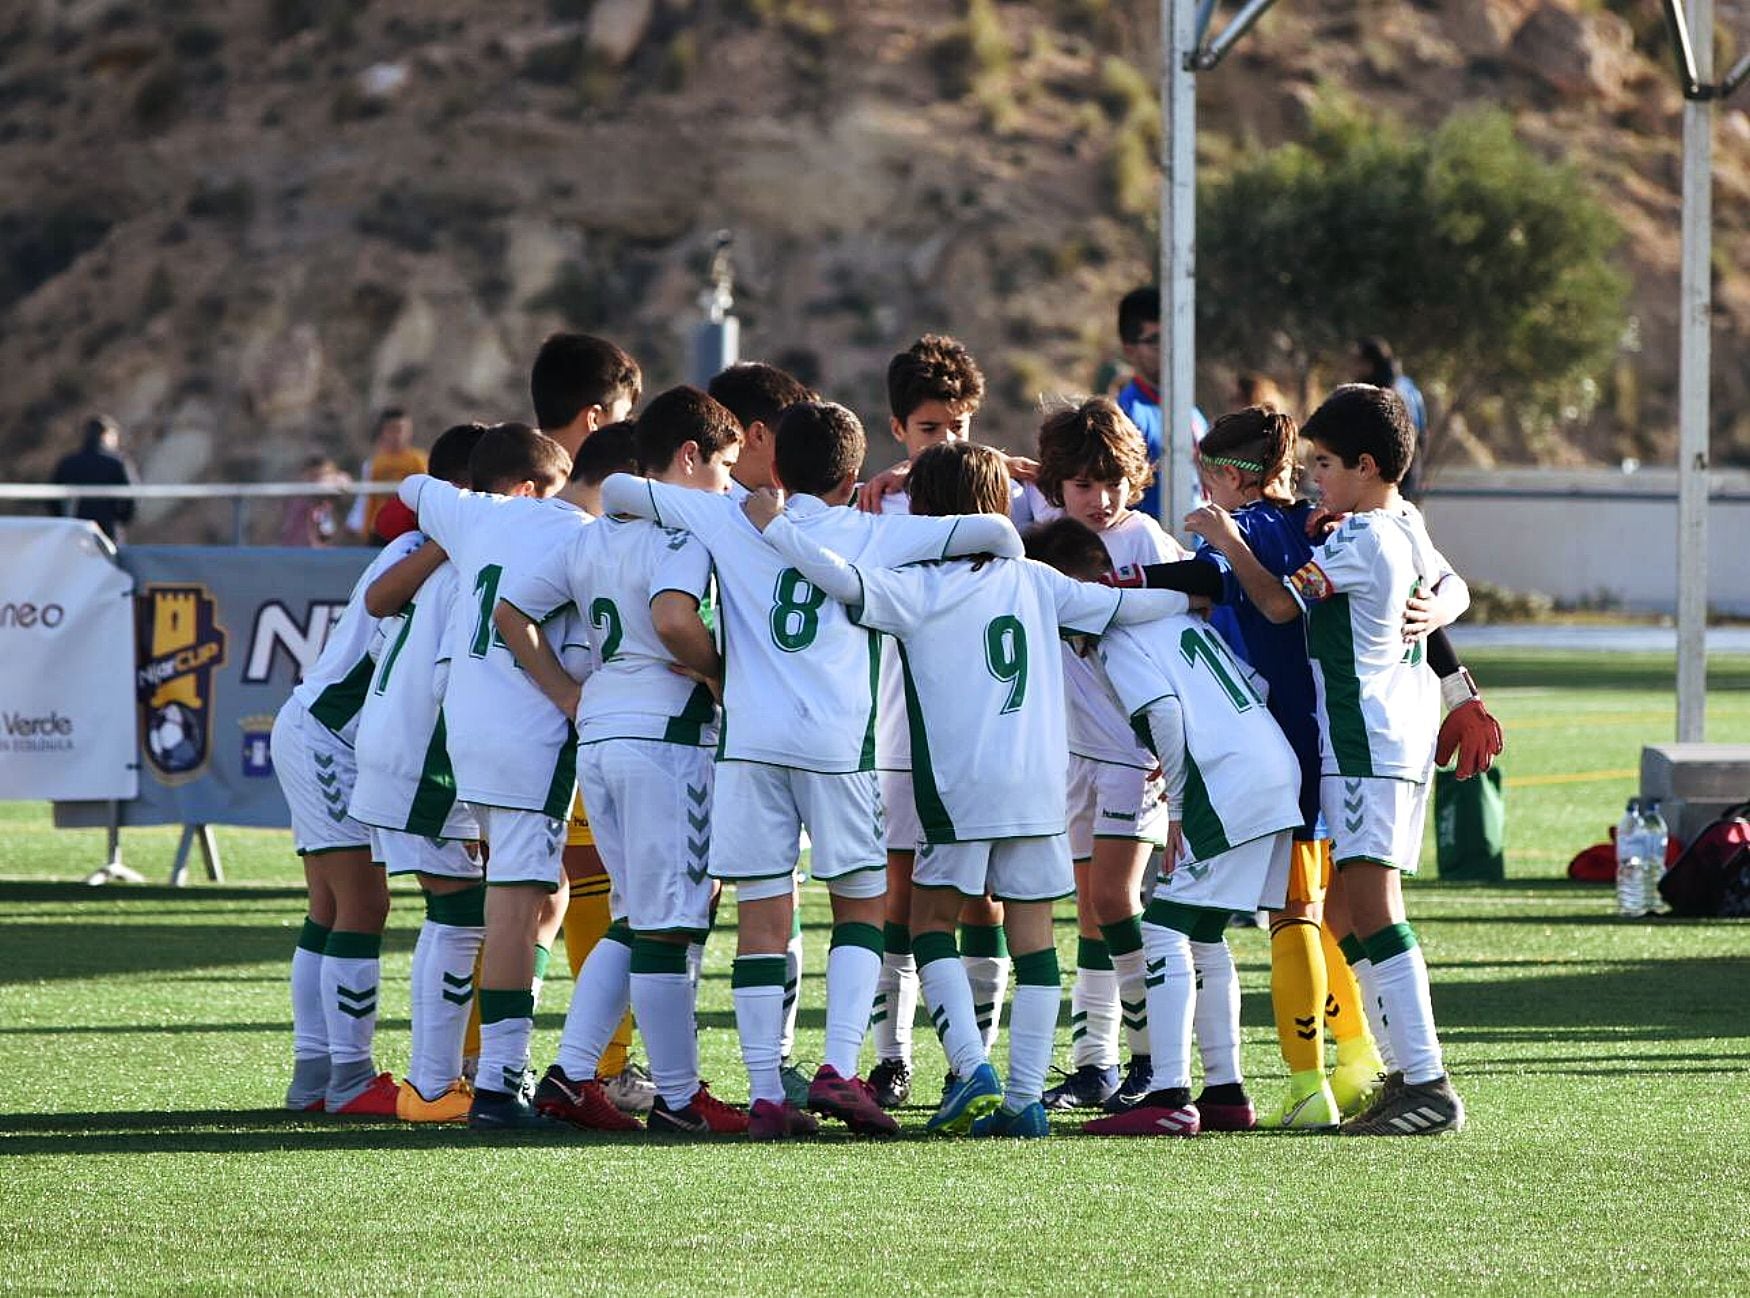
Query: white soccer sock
(948,995)
(853,966)
(758,982)
(1217,1016)
(792,985)
(989,977)
(443,993)
(1133,1000)
(1367,978)
(695,964)
(351,971)
(1170,980)
(504,1042)
(1401,974)
(1093,1008)
(896,1005)
(598,1003)
(1032,1026)
(309,1024)
(663,1004)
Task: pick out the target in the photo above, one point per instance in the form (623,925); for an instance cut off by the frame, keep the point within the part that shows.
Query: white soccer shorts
(1243,879)
(650,809)
(904,830)
(447,858)
(1107,800)
(522,846)
(1009,869)
(758,812)
(316,772)
(1376,820)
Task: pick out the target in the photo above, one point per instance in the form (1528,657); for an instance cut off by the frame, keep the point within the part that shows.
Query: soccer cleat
(703,1115)
(1357,1084)
(891,1081)
(1089,1087)
(631,1089)
(769,1121)
(972,1097)
(1232,1111)
(317,1105)
(1159,1113)
(583,1104)
(1315,1111)
(1389,1087)
(377,1100)
(852,1101)
(1419,1109)
(795,1082)
(1029,1124)
(451,1106)
(506,1111)
(1138,1081)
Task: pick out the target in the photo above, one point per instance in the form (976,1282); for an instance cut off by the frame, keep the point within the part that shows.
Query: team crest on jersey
(1311,584)
(181,647)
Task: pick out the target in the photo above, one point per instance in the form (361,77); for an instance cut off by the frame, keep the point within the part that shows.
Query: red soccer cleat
(376,1101)
(852,1101)
(1160,1113)
(768,1121)
(584,1104)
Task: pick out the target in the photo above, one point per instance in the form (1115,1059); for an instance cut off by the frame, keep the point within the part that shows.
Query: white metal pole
(1692,386)
(1178,258)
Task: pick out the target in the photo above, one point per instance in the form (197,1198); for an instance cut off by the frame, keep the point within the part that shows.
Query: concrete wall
(1573,533)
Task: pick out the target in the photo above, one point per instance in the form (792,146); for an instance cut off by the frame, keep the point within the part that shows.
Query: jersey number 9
(1005,655)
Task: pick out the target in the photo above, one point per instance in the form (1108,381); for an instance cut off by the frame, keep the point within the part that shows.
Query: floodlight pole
(1180,37)
(1694,365)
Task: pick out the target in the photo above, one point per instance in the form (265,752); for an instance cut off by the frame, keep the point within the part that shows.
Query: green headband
(1249,466)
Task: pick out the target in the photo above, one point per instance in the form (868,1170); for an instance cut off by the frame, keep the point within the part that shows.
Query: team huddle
(620,668)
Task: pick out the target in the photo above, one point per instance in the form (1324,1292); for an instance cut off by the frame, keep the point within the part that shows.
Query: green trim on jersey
(688,725)
(1330,640)
(434,797)
(938,825)
(1202,824)
(866,759)
(559,792)
(341,701)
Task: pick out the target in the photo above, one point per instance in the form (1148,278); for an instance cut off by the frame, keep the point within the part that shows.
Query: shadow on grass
(76,950)
(1555,669)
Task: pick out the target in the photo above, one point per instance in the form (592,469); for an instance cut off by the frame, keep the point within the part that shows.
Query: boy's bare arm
(676,617)
(530,648)
(400,582)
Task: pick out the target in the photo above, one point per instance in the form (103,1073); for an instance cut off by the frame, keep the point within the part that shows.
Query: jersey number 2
(1005,654)
(606,619)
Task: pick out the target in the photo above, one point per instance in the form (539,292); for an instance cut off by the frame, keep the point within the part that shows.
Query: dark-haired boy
(514,758)
(1379,711)
(798,746)
(580,383)
(644,734)
(1139,338)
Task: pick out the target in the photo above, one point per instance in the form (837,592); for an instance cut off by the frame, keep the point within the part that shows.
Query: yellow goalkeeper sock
(471,1036)
(1343,1013)
(586,919)
(1297,992)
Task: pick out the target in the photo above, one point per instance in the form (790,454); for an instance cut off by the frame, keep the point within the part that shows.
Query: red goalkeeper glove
(1469,729)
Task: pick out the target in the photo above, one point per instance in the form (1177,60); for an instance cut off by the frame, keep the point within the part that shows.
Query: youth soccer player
(406,794)
(1378,715)
(514,756)
(1094,466)
(989,759)
(644,733)
(798,746)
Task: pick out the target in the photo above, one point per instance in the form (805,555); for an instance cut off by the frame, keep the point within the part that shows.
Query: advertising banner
(220,637)
(66,663)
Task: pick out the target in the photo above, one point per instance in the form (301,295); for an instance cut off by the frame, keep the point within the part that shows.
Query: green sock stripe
(896,939)
(543,957)
(1352,949)
(497,1006)
(618,932)
(757,971)
(1212,926)
(931,947)
(651,956)
(354,946)
(1038,969)
(795,921)
(464,909)
(1177,916)
(313,936)
(1092,953)
(1125,936)
(1392,940)
(866,936)
(986,940)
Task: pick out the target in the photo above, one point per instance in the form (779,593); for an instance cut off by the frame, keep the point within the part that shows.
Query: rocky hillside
(243,226)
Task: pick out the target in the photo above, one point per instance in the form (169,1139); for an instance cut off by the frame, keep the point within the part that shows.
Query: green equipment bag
(1470,827)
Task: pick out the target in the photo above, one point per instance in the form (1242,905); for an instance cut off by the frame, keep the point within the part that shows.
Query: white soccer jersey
(405,779)
(1242,780)
(1097,728)
(611,572)
(800,677)
(1379,702)
(333,690)
(510,746)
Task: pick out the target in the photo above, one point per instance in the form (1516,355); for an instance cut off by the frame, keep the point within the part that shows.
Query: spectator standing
(98,463)
(1139,338)
(310,520)
(1375,364)
(392,458)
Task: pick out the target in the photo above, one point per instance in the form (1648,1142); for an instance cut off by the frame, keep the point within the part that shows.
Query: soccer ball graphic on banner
(173,735)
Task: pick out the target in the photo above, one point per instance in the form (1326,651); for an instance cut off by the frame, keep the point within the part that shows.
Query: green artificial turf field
(1606,1064)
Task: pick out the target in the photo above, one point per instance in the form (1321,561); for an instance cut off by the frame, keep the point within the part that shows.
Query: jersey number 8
(795,618)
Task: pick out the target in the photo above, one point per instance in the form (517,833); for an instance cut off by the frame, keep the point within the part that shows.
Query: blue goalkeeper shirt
(1276,651)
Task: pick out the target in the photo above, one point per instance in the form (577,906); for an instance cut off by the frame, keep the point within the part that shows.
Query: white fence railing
(240,494)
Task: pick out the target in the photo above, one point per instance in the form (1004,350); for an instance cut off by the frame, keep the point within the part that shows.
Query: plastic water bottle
(1656,837)
(1630,874)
